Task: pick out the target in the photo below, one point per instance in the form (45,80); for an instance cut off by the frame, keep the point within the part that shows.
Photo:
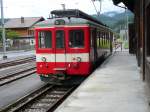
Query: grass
(126,45)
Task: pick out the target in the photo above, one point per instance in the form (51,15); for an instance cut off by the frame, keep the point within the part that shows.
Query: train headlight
(43,59)
(78,59)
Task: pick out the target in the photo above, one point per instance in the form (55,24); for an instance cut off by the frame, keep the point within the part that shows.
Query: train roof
(70,17)
(75,13)
(68,21)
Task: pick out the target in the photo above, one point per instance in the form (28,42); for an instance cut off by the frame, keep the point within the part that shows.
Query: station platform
(116,86)
(13,55)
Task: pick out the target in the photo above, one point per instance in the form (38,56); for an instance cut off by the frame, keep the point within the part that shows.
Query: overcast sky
(36,8)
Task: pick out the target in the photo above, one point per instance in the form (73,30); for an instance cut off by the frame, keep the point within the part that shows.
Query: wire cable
(94,7)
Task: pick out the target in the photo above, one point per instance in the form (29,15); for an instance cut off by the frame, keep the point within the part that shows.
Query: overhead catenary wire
(95,7)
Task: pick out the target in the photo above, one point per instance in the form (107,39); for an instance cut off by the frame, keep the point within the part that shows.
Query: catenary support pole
(3,31)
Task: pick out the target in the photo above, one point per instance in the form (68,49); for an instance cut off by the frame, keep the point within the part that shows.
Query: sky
(38,8)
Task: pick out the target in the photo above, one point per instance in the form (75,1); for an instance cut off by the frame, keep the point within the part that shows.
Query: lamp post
(126,24)
(3,31)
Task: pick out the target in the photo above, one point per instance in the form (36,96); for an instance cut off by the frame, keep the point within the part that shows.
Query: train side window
(102,38)
(106,38)
(76,38)
(99,39)
(91,35)
(45,39)
(60,39)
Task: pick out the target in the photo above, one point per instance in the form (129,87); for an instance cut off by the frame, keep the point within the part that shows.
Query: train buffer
(116,86)
(60,70)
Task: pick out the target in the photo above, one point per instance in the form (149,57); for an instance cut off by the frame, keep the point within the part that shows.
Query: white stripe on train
(69,57)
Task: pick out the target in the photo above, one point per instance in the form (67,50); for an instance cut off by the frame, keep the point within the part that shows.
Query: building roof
(23,22)
(128,3)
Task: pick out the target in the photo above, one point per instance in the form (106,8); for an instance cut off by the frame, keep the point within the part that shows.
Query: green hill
(115,20)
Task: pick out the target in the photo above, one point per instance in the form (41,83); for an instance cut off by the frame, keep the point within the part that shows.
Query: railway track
(17,62)
(45,99)
(17,72)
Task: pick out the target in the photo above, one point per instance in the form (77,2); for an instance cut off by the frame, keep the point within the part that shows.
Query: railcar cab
(66,45)
(62,50)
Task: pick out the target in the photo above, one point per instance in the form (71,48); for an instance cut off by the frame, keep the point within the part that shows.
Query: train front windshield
(60,39)
(45,39)
(75,37)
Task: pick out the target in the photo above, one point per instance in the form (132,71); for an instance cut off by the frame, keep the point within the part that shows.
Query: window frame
(83,39)
(44,50)
(86,48)
(45,44)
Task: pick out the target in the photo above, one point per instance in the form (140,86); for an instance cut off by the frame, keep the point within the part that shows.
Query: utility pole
(3,31)
(126,21)
(63,6)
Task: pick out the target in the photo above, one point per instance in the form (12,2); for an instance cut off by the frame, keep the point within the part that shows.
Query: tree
(11,34)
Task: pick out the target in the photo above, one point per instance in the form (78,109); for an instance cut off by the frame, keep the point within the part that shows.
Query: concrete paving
(117,86)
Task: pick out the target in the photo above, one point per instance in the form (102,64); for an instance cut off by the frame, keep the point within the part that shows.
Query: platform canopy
(127,3)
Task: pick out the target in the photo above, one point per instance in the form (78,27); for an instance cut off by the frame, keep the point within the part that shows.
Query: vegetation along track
(45,99)
(17,61)
(14,73)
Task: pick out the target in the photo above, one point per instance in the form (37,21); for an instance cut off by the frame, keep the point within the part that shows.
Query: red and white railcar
(69,46)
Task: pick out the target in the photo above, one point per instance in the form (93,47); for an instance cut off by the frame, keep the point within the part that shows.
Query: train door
(93,45)
(60,49)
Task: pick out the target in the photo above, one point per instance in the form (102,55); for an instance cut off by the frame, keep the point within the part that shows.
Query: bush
(126,45)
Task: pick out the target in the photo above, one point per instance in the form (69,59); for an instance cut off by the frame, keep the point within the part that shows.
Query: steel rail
(16,69)
(25,99)
(16,62)
(41,100)
(15,76)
